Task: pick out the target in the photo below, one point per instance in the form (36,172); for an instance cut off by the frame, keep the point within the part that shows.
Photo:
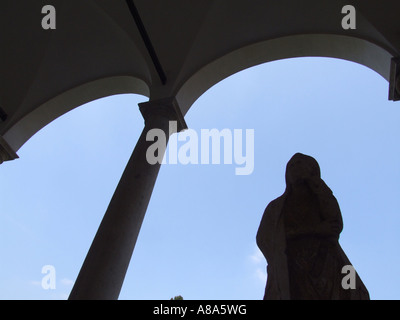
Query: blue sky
(198,236)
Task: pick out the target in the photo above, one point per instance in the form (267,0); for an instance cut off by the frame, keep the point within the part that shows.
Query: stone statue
(299,237)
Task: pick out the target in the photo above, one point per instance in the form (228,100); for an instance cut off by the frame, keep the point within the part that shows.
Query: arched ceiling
(167,48)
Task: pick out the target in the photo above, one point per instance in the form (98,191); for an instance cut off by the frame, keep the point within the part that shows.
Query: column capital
(167,108)
(6,152)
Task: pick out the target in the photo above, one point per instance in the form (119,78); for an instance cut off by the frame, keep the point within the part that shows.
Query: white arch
(26,127)
(308,45)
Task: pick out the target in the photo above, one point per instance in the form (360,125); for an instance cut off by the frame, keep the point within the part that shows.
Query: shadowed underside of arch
(100,48)
(309,45)
(26,127)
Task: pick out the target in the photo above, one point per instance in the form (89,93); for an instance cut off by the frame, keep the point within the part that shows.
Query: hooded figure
(299,237)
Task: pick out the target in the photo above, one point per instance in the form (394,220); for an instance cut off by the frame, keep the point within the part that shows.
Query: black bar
(147,41)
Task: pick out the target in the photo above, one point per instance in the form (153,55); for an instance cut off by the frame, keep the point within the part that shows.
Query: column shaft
(104,269)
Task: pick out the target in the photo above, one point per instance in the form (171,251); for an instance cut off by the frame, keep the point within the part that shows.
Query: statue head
(301,168)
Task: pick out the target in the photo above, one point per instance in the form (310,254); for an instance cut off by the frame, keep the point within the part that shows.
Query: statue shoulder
(274,208)
(275,204)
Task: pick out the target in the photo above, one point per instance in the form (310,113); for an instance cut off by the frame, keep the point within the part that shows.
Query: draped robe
(305,265)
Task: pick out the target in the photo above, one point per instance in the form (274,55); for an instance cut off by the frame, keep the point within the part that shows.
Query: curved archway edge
(26,127)
(311,45)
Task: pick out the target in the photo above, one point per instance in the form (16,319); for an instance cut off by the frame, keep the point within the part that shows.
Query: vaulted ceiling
(166,48)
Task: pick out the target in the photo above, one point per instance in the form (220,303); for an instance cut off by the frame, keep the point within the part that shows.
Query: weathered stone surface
(299,237)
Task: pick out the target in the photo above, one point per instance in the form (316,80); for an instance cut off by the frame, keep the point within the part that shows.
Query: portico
(171,52)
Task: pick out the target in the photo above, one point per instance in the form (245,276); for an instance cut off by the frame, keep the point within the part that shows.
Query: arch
(26,127)
(306,45)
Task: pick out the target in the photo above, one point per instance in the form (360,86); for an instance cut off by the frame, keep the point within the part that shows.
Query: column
(104,269)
